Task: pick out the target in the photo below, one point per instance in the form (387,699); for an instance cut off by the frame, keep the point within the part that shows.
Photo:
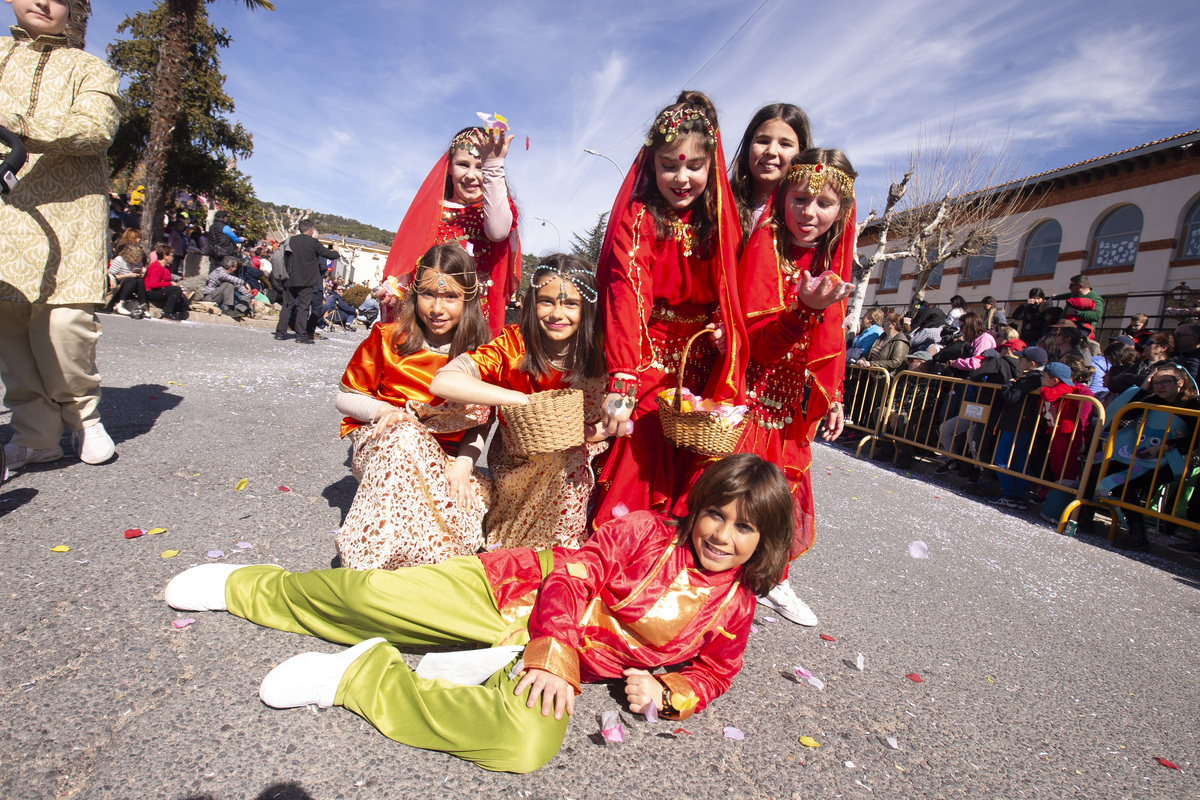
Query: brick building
(1130,221)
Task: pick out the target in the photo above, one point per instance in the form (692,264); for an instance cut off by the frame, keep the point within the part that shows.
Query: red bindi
(682,157)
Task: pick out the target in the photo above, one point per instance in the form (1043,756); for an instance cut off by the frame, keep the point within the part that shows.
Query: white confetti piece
(859,663)
(918,549)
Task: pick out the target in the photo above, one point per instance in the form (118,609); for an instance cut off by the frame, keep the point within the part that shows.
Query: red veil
(728,382)
(419,230)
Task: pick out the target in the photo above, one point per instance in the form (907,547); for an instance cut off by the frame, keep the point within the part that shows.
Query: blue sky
(351,102)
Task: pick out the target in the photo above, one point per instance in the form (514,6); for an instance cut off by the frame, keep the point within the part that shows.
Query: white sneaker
(200,588)
(784,601)
(93,444)
(310,678)
(123,310)
(16,456)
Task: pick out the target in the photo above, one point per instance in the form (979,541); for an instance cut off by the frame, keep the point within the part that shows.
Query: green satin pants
(432,605)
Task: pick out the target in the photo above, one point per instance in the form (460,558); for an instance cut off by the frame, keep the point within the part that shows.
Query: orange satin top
(499,363)
(630,597)
(378,371)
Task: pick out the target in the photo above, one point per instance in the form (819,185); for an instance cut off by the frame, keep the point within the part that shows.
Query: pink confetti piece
(651,713)
(215,554)
(735,734)
(801,672)
(754,628)
(769,619)
(134,533)
(610,727)
(914,677)
(182,623)
(918,549)
(244,545)
(620,510)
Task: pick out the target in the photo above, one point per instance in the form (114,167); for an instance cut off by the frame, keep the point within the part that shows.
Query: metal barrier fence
(1033,444)
(864,391)
(1144,461)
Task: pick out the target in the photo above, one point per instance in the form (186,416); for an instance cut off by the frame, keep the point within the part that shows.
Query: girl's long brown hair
(828,243)
(472,331)
(704,207)
(588,360)
(740,178)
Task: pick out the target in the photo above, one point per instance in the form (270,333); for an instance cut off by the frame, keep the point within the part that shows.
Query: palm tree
(178,29)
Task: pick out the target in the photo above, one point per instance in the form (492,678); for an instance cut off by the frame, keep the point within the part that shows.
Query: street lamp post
(546,222)
(606,158)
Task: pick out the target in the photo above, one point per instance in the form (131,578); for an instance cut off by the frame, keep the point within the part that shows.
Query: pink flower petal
(651,713)
(244,545)
(801,672)
(816,683)
(735,734)
(918,549)
(610,727)
(182,623)
(620,510)
(216,554)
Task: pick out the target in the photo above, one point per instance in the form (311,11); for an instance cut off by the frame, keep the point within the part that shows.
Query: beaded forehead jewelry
(689,120)
(430,280)
(817,176)
(570,276)
(463,142)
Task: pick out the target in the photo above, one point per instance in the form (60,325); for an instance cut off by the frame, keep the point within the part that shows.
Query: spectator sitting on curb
(368,310)
(338,310)
(227,290)
(161,287)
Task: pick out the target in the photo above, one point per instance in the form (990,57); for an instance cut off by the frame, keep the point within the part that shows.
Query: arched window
(892,270)
(979,267)
(1117,238)
(1040,256)
(1191,234)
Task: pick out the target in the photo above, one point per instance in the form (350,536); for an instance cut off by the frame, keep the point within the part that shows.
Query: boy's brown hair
(764,500)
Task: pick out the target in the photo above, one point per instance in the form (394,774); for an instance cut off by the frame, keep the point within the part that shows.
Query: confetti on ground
(828,638)
(808,741)
(61,548)
(215,554)
(134,533)
(610,727)
(681,732)
(848,764)
(892,743)
(735,734)
(918,549)
(284,489)
(859,663)
(169,553)
(242,484)
(914,677)
(182,623)
(651,713)
(244,545)
(753,628)
(155,531)
(801,672)
(1166,763)
(816,682)
(769,619)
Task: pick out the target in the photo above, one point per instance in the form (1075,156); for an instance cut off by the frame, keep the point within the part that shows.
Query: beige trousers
(48,365)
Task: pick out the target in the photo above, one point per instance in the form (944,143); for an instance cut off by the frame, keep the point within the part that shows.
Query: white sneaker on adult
(310,678)
(16,456)
(123,310)
(784,601)
(93,444)
(200,588)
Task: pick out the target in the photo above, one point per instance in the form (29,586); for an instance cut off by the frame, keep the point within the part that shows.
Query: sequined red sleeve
(773,326)
(631,598)
(628,291)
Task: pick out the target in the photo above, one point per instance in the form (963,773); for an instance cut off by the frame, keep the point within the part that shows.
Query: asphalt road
(1051,666)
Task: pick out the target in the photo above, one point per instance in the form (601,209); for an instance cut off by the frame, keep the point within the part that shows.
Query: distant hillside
(340,226)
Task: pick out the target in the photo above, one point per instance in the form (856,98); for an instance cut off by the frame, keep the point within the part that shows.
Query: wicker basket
(697,431)
(551,421)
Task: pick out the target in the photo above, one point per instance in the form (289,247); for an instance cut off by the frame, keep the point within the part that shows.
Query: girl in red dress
(540,501)
(776,134)
(419,498)
(666,271)
(794,324)
(465,199)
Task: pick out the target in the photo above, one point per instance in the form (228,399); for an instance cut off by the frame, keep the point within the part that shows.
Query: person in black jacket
(1015,425)
(304,277)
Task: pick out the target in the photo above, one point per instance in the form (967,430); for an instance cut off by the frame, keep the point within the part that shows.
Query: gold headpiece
(430,280)
(817,176)
(689,119)
(463,142)
(571,276)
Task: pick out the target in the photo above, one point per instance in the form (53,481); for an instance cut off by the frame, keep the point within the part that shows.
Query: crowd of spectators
(1042,358)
